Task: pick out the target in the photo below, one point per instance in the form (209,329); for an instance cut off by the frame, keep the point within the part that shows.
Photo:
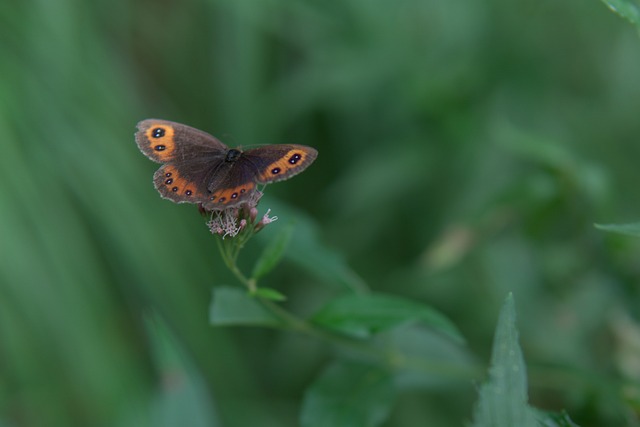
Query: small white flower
(231,221)
(266,220)
(225,223)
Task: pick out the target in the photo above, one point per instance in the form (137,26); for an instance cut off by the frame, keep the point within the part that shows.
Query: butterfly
(198,168)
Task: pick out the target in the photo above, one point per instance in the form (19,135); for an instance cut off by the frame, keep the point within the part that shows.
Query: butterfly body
(198,168)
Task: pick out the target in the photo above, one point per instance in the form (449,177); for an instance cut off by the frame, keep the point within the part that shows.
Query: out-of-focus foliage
(466,150)
(628,9)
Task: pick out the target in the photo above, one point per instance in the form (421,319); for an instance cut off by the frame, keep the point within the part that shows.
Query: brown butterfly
(198,168)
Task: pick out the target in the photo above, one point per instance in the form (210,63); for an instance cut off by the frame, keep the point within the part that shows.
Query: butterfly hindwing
(232,186)
(173,185)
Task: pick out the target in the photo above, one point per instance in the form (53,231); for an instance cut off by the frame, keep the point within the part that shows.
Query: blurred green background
(466,149)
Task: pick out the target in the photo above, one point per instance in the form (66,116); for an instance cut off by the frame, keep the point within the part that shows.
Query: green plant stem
(229,256)
(364,349)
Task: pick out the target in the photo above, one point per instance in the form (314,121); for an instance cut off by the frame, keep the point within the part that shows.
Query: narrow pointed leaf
(272,253)
(270,294)
(307,250)
(632,229)
(628,9)
(364,315)
(503,398)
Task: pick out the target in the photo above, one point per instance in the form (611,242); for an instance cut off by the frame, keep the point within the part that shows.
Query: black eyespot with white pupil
(157,133)
(168,174)
(160,147)
(275,171)
(188,192)
(234,196)
(169,181)
(174,189)
(295,159)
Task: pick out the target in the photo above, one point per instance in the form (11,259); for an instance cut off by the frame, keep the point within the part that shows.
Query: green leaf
(628,9)
(503,398)
(348,394)
(268,293)
(549,419)
(272,253)
(234,307)
(364,315)
(632,229)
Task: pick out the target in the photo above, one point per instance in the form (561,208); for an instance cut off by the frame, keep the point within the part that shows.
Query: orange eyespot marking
(161,140)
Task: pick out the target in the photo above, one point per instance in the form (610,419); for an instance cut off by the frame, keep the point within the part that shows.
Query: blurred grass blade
(184,398)
(503,398)
(348,395)
(632,229)
(272,253)
(234,307)
(364,315)
(628,9)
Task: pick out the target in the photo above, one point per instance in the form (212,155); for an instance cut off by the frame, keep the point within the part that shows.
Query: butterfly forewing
(279,162)
(163,141)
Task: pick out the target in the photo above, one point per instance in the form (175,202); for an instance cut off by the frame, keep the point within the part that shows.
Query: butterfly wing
(232,186)
(197,168)
(163,141)
(262,165)
(192,157)
(273,163)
